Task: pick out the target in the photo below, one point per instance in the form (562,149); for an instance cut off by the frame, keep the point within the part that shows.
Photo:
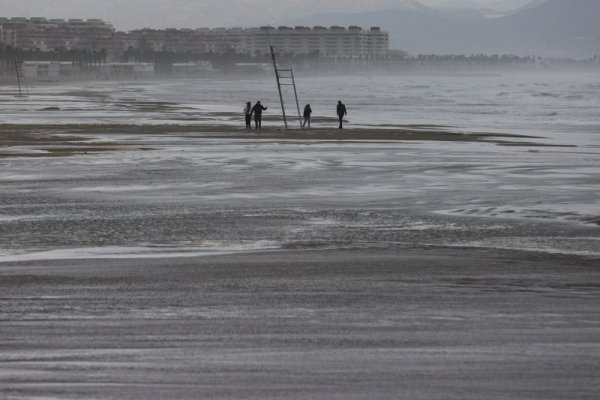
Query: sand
(48,134)
(326,273)
(416,323)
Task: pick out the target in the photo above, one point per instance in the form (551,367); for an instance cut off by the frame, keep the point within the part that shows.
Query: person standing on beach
(257,111)
(341,111)
(307,112)
(248,115)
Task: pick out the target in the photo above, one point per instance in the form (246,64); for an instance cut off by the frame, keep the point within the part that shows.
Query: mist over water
(519,103)
(547,173)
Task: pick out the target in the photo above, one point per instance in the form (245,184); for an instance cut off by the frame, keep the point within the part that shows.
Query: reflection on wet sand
(153,253)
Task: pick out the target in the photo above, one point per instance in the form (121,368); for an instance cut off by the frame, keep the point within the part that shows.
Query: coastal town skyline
(547,28)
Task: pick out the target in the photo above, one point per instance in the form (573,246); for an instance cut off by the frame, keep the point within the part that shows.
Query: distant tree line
(85,58)
(164,59)
(475,59)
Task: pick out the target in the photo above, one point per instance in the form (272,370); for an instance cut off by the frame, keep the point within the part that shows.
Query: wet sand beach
(417,323)
(186,262)
(25,133)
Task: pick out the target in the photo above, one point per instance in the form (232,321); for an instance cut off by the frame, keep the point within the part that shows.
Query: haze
(131,14)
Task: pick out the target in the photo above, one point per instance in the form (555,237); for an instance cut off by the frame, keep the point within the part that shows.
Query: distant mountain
(132,14)
(544,27)
(497,5)
(549,28)
(414,29)
(555,27)
(533,4)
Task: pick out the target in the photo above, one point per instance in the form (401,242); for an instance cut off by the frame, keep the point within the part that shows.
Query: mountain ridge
(135,14)
(549,28)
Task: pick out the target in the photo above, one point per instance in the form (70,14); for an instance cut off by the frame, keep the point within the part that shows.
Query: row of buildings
(57,70)
(95,34)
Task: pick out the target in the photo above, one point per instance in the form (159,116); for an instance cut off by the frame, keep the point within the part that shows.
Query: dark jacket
(341,110)
(258,109)
(307,111)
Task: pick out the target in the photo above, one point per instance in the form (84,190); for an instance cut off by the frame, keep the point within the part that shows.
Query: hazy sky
(129,14)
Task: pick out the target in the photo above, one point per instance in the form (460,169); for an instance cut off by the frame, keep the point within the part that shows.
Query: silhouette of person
(341,111)
(248,114)
(307,112)
(257,111)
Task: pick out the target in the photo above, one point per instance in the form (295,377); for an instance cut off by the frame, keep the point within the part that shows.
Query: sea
(544,169)
(512,103)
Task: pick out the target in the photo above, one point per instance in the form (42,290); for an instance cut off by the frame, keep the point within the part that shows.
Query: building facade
(49,34)
(196,41)
(95,34)
(335,41)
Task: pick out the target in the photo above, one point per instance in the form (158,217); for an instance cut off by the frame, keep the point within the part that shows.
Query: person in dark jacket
(307,112)
(341,111)
(257,111)
(248,114)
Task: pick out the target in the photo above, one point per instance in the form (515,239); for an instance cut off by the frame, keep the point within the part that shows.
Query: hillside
(550,28)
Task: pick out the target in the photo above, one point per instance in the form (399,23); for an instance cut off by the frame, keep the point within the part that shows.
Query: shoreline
(69,135)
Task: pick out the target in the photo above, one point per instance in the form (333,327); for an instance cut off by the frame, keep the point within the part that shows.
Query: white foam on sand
(206,248)
(579,246)
(23,150)
(28,217)
(569,212)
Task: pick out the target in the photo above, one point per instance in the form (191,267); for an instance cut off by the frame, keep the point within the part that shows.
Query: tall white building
(335,41)
(95,34)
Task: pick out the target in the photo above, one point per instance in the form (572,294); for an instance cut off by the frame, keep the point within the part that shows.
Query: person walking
(257,111)
(248,115)
(307,112)
(341,111)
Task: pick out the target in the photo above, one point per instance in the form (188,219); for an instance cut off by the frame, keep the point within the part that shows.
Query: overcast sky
(130,14)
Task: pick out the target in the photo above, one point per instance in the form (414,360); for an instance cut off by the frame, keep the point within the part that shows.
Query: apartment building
(95,34)
(197,41)
(49,34)
(335,41)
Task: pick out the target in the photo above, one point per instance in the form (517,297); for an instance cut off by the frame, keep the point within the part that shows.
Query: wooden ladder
(21,79)
(284,77)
